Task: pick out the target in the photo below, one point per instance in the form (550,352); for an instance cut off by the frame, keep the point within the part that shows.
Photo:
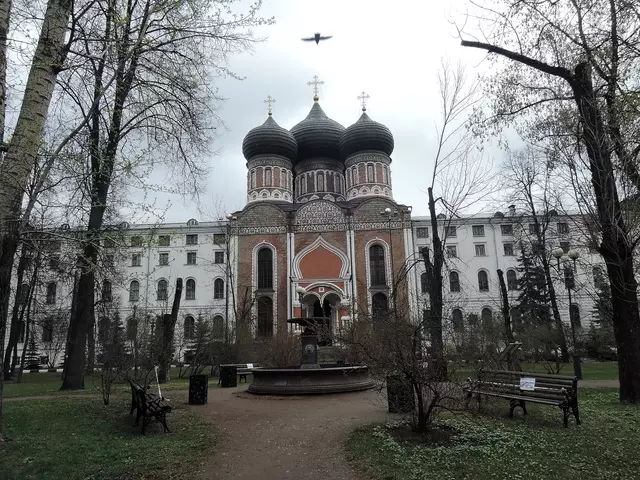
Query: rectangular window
(422,232)
(218,257)
(452,251)
(481,251)
(508,249)
(191,258)
(164,240)
(537,247)
(533,229)
(163,259)
(108,243)
(219,238)
(136,260)
(563,228)
(451,232)
(506,229)
(192,239)
(478,230)
(566,246)
(54,262)
(136,241)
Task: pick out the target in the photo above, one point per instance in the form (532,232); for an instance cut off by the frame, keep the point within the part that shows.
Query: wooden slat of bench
(516,380)
(531,374)
(513,391)
(518,397)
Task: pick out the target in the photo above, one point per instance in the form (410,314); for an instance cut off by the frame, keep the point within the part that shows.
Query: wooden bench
(522,387)
(148,406)
(244,369)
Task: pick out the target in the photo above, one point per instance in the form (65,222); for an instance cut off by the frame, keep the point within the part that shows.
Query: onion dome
(317,135)
(269,139)
(364,135)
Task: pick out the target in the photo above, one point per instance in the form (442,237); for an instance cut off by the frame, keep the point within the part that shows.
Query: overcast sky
(391,50)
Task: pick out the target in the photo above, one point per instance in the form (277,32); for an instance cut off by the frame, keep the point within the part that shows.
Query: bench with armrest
(522,387)
(148,407)
(244,369)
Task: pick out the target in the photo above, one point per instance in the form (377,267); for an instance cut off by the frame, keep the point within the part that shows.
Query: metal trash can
(228,376)
(399,394)
(198,389)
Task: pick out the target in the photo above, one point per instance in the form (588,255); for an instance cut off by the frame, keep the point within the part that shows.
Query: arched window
(370,176)
(377,265)
(267,177)
(132,328)
(349,178)
(454,282)
(456,320)
(134,291)
(356,175)
(320,183)
(337,184)
(265,317)
(218,327)
(103,330)
(190,293)
(253,179)
(483,281)
(487,317)
(282,178)
(384,174)
(516,319)
(162,290)
(106,291)
(52,289)
(574,314)
(23,294)
(47,329)
(512,280)
(379,306)
(265,268)
(424,283)
(218,289)
(189,328)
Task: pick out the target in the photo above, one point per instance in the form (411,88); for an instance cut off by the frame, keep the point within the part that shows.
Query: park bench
(244,369)
(522,387)
(148,407)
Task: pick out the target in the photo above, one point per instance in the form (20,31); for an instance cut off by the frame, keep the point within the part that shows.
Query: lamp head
(300,290)
(574,255)
(387,211)
(557,252)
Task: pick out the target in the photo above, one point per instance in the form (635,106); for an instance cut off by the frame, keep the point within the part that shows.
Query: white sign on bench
(527,383)
(249,365)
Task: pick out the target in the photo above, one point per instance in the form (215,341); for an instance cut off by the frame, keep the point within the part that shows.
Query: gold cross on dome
(269,101)
(315,84)
(363,97)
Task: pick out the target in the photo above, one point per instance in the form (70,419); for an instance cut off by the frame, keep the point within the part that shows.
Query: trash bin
(228,376)
(198,389)
(399,394)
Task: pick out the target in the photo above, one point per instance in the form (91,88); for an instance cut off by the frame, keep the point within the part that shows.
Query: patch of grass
(590,370)
(485,447)
(83,439)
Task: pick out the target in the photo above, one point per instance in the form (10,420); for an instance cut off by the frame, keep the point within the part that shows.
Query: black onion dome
(269,139)
(366,134)
(317,135)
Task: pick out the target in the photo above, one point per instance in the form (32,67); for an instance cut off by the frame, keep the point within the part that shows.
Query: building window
(569,278)
(478,230)
(566,246)
(454,282)
(52,288)
(265,268)
(512,280)
(218,289)
(136,260)
(22,295)
(534,229)
(191,258)
(377,265)
(103,330)
(472,319)
(219,238)
(132,328)
(481,251)
(192,239)
(136,241)
(218,327)
(370,175)
(267,177)
(162,290)
(537,248)
(456,320)
(452,251)
(163,259)
(384,174)
(506,229)
(483,281)
(106,291)
(508,249)
(574,314)
(424,283)
(47,330)
(191,289)
(487,318)
(54,261)
(379,306)
(563,228)
(164,240)
(422,232)
(218,257)
(253,179)
(189,328)
(516,319)
(451,232)
(320,182)
(282,179)
(265,317)
(108,243)
(134,291)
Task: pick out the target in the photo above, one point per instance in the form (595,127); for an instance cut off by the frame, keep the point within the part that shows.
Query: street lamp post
(230,218)
(387,212)
(569,283)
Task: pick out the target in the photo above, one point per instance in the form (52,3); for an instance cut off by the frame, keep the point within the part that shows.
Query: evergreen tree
(32,357)
(601,328)
(533,298)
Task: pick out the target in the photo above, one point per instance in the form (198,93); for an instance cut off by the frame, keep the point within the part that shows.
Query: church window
(377,265)
(282,178)
(379,306)
(265,317)
(336,183)
(253,179)
(267,177)
(356,176)
(370,176)
(265,268)
(384,174)
(320,183)
(218,289)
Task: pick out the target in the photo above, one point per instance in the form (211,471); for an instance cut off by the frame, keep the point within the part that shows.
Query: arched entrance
(324,310)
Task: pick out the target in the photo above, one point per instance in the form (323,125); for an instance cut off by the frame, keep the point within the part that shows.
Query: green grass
(496,447)
(83,439)
(590,370)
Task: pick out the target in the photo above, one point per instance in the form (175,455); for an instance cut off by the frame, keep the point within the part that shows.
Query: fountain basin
(310,381)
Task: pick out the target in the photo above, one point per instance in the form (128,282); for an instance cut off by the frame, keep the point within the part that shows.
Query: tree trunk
(165,337)
(506,311)
(5,16)
(560,336)
(91,347)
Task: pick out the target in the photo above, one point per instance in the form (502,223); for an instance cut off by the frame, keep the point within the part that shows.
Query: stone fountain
(309,377)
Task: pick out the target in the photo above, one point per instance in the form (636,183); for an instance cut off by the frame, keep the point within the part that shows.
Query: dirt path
(286,438)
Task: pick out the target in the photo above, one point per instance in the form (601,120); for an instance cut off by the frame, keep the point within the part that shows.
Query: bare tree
(581,59)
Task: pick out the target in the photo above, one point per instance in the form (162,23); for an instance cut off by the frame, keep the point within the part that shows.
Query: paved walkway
(276,438)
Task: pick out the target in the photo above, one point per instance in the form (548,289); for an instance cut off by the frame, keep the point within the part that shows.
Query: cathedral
(321,234)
